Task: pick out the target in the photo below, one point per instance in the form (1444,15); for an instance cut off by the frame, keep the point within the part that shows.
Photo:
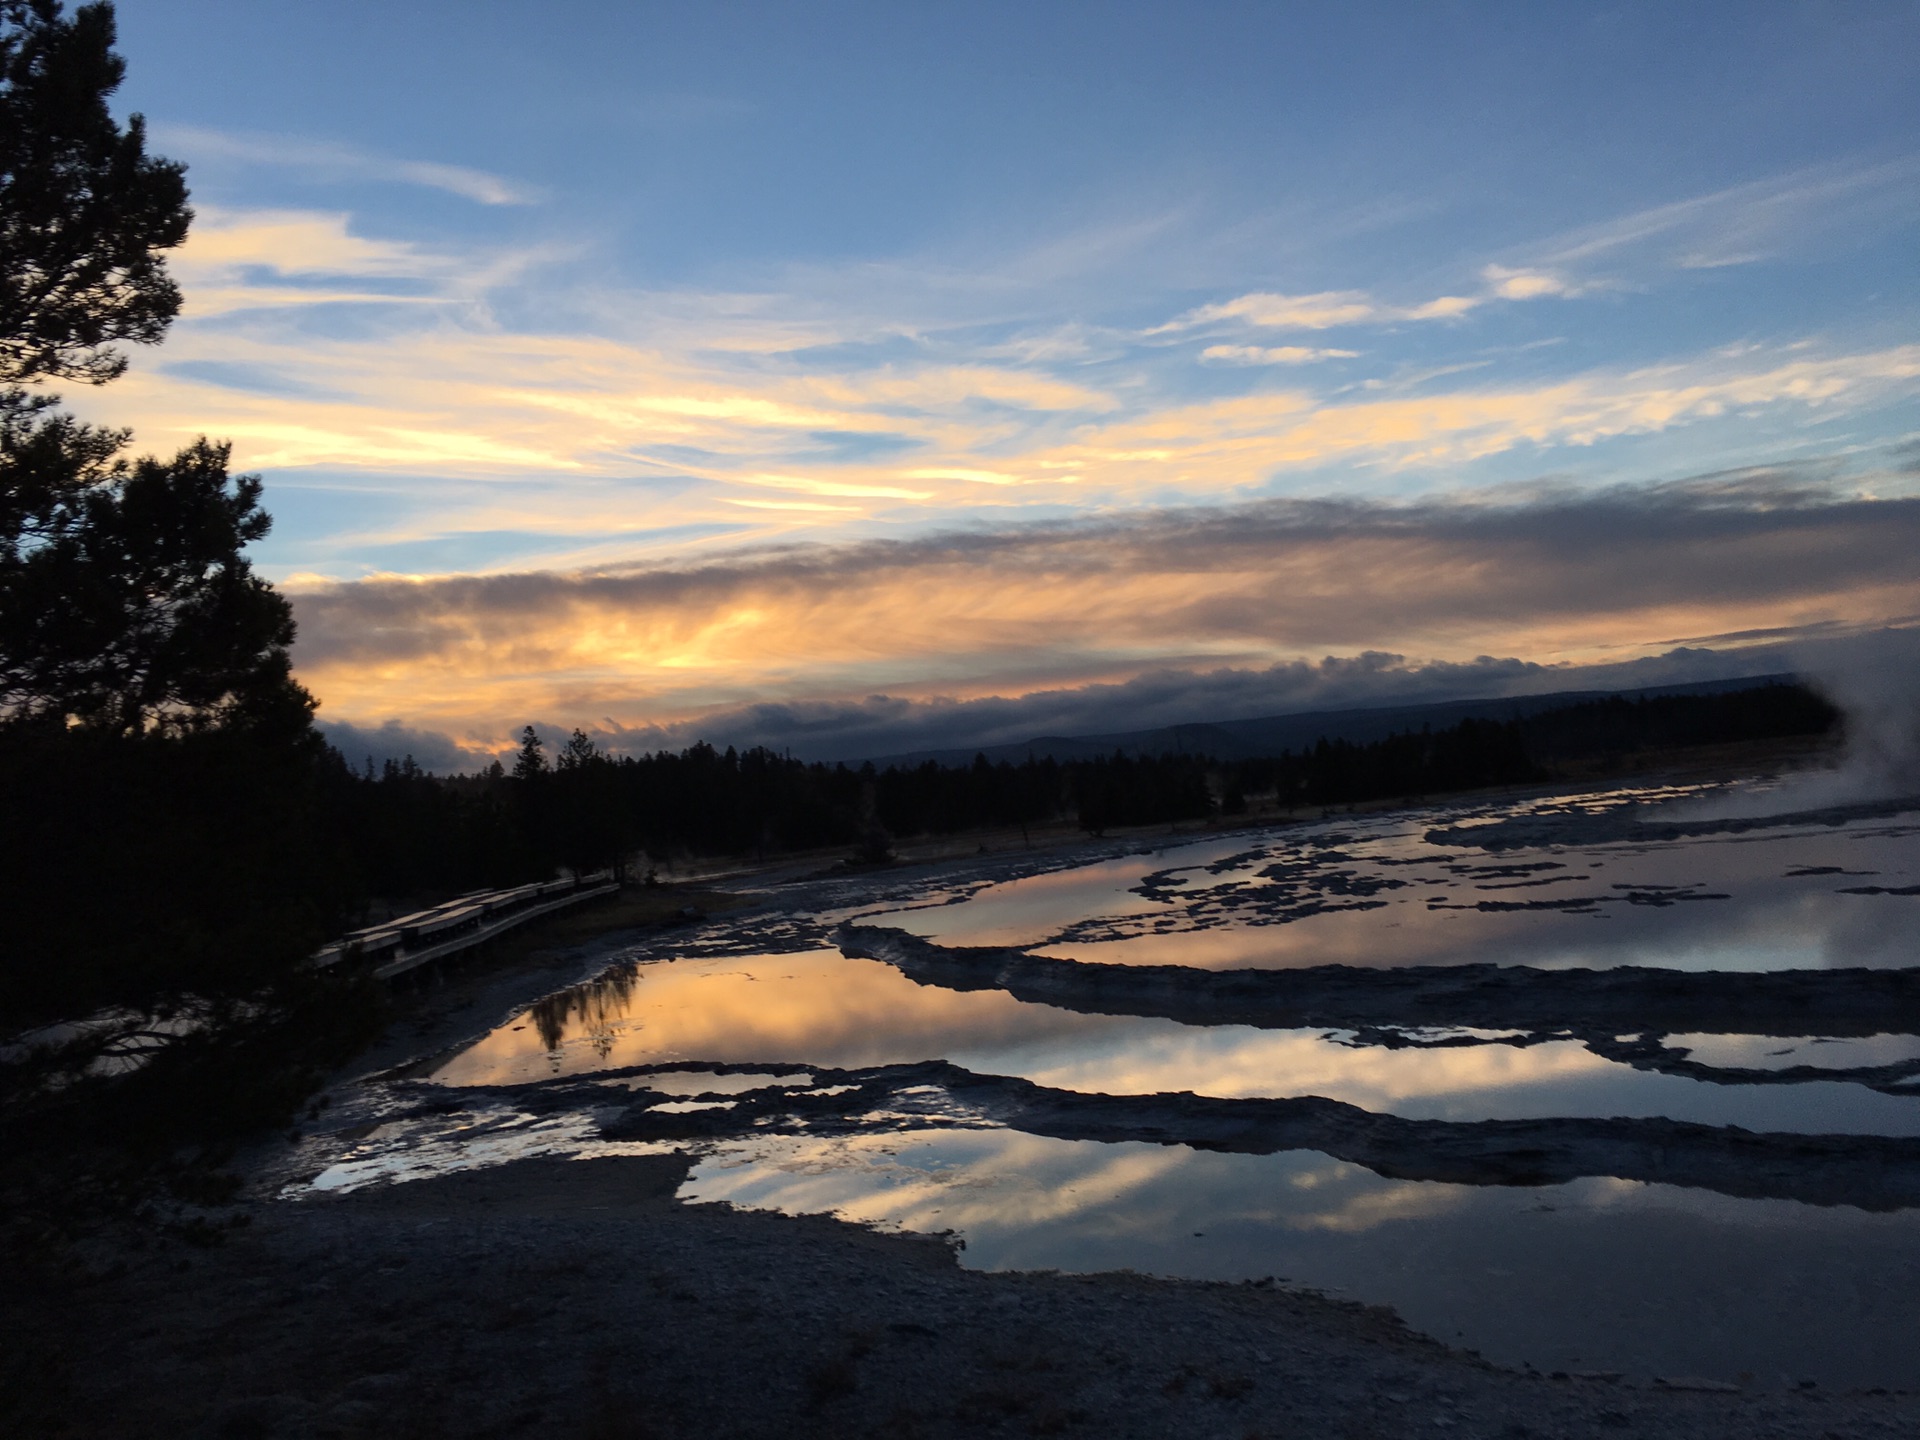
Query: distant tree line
(1616,726)
(411,833)
(1466,756)
(407,833)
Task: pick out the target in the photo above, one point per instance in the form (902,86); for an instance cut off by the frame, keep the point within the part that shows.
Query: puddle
(822,1009)
(1380,892)
(1597,1274)
(1820,1052)
(490,1135)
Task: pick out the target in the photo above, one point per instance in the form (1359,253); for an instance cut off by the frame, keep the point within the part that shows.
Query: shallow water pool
(1694,1199)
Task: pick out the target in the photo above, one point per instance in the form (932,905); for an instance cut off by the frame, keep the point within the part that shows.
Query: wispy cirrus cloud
(1757,220)
(1271,354)
(494,393)
(285,259)
(1522,283)
(1218,445)
(1339,309)
(1266,310)
(300,259)
(1737,225)
(331,160)
(446,393)
(430,370)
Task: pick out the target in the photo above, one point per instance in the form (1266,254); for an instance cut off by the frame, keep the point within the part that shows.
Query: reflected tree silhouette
(595,1009)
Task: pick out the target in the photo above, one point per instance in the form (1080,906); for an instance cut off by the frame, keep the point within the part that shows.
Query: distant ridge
(1271,734)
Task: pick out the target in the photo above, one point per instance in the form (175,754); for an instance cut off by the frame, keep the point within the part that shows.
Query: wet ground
(580,1299)
(1601,1083)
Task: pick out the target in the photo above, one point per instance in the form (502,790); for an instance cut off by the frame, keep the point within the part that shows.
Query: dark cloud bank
(1719,542)
(880,726)
(377,744)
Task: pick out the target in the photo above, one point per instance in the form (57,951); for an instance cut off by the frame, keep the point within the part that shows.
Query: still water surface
(819,1008)
(1599,1273)
(1378,892)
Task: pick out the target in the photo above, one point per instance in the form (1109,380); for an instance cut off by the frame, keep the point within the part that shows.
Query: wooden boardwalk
(396,946)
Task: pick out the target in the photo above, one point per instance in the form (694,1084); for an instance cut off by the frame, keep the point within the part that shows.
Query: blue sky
(490,292)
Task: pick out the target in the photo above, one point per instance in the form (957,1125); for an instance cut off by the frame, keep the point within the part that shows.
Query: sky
(863,378)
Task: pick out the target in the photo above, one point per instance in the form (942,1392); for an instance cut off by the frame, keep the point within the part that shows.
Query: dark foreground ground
(579,1299)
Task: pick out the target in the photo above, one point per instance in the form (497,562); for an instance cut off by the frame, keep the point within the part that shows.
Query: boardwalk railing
(397,946)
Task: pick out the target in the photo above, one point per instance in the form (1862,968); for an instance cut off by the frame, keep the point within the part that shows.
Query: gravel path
(578,1298)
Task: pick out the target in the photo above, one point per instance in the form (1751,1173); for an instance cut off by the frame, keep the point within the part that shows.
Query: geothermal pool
(1599,1082)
